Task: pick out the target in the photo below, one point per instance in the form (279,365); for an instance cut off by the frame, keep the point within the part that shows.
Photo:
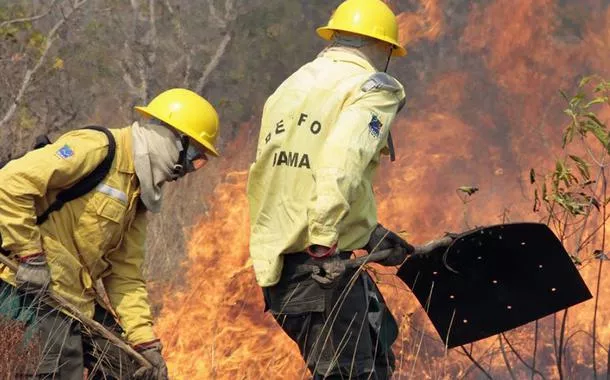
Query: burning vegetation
(486,138)
(485,115)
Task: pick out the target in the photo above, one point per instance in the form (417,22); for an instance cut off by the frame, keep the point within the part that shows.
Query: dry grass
(15,357)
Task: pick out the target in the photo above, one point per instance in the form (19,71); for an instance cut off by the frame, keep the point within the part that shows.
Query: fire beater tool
(503,276)
(489,280)
(89,322)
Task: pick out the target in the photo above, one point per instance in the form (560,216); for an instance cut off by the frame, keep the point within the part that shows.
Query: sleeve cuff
(141,336)
(27,252)
(323,236)
(147,345)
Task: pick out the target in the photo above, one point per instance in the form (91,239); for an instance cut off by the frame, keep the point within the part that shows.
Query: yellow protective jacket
(321,137)
(99,235)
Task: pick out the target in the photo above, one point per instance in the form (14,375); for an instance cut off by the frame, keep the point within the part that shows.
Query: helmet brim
(146,113)
(326,33)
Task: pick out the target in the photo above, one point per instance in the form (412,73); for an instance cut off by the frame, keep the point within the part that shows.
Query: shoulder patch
(375,126)
(65,152)
(381,81)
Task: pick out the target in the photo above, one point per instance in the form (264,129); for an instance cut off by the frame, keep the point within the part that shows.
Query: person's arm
(358,136)
(126,287)
(24,180)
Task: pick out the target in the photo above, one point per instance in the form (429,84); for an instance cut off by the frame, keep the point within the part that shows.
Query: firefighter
(322,134)
(97,236)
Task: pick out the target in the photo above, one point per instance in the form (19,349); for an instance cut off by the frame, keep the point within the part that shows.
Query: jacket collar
(347,55)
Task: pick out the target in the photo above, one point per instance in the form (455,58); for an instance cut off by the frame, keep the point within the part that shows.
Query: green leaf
(568,203)
(469,190)
(576,100)
(598,100)
(585,80)
(604,85)
(593,117)
(576,260)
(563,174)
(582,166)
(600,133)
(596,203)
(568,135)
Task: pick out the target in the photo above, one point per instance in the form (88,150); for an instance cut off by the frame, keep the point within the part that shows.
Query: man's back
(302,154)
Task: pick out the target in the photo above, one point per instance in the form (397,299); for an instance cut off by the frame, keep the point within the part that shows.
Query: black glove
(33,275)
(382,239)
(152,353)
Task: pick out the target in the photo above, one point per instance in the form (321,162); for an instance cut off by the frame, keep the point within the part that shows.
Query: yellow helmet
(371,18)
(188,112)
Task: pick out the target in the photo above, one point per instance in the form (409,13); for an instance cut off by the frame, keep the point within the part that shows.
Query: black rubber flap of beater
(508,275)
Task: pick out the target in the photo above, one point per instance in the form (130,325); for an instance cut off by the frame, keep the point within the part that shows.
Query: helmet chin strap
(180,167)
(387,64)
(390,139)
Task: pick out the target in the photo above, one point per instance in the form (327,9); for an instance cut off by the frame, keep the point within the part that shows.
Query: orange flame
(484,122)
(426,23)
(217,329)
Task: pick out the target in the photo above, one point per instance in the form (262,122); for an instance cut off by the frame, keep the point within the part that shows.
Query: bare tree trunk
(222,47)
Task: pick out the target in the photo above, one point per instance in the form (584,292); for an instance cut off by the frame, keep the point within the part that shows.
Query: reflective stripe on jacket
(100,235)
(321,137)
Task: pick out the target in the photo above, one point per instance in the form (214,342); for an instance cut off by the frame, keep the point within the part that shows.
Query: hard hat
(188,113)
(371,18)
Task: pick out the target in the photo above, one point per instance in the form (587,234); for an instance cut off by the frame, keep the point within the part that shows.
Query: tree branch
(516,353)
(188,65)
(150,53)
(220,51)
(230,12)
(221,22)
(27,78)
(124,63)
(505,358)
(28,19)
(476,363)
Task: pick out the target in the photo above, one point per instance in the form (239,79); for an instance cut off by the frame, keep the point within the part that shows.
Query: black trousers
(344,331)
(66,347)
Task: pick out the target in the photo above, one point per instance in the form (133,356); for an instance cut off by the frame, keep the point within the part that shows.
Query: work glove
(151,352)
(330,270)
(384,239)
(33,275)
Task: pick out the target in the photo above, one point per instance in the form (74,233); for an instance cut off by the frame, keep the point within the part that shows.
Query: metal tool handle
(374,257)
(421,250)
(92,324)
(433,245)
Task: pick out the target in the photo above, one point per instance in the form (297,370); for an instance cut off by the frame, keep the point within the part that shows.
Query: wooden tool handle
(85,320)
